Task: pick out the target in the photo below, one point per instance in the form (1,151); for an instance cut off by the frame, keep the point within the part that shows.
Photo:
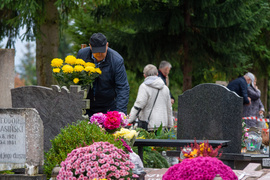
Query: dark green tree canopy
(145,31)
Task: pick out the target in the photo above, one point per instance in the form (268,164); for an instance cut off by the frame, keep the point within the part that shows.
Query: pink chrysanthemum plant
(101,160)
(112,121)
(199,168)
(199,161)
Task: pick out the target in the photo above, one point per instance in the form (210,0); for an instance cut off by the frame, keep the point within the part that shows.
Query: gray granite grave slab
(211,111)
(57,106)
(21,138)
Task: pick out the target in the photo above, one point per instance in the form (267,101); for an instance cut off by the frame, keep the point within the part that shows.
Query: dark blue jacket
(239,86)
(160,74)
(110,91)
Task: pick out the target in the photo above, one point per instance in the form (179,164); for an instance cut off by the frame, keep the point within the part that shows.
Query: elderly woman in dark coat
(256,107)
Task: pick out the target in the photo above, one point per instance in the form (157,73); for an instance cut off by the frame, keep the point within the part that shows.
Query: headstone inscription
(211,112)
(21,139)
(57,106)
(7,76)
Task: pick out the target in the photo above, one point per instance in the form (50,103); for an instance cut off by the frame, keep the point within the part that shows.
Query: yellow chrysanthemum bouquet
(74,71)
(129,136)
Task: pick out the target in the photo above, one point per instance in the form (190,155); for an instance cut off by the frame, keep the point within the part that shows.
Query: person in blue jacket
(110,90)
(240,85)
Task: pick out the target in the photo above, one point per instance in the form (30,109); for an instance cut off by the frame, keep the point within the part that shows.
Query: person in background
(256,107)
(163,73)
(240,85)
(153,88)
(110,90)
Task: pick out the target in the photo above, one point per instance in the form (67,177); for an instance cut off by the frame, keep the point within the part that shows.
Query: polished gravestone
(57,106)
(21,140)
(211,112)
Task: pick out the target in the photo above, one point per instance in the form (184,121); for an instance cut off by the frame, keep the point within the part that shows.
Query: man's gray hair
(150,70)
(164,64)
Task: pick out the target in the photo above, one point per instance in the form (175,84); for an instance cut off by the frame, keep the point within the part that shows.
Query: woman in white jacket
(152,87)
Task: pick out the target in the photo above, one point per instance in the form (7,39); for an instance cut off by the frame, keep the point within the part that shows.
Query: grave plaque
(21,139)
(12,138)
(211,112)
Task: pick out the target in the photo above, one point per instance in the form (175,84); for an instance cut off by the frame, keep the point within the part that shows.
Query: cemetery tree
(260,58)
(42,20)
(6,29)
(200,38)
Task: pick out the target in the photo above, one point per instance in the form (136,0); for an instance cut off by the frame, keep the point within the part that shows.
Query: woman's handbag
(144,123)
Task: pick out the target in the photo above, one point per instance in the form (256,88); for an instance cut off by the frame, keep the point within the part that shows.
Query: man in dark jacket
(239,86)
(110,91)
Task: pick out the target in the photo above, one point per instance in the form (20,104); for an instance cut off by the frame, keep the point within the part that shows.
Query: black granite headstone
(211,112)
(57,107)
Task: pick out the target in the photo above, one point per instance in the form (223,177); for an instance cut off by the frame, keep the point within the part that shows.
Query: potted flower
(101,160)
(198,161)
(114,122)
(199,168)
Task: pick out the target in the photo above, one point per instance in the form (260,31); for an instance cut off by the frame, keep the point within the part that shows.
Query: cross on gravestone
(21,140)
(211,112)
(57,106)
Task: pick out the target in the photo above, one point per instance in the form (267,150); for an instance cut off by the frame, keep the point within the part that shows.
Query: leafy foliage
(78,134)
(217,33)
(6,172)
(152,157)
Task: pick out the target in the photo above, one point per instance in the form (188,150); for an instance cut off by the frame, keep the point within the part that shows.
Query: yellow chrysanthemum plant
(74,71)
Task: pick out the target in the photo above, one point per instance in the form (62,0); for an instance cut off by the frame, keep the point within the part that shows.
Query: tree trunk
(47,45)
(187,67)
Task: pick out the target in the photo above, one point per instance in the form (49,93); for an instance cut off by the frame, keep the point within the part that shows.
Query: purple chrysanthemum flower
(124,121)
(126,146)
(199,168)
(98,118)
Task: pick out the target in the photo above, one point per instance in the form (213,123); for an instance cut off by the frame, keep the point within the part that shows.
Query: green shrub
(7,172)
(76,135)
(152,157)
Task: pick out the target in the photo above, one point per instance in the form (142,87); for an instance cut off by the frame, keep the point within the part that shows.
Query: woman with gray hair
(153,102)
(256,107)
